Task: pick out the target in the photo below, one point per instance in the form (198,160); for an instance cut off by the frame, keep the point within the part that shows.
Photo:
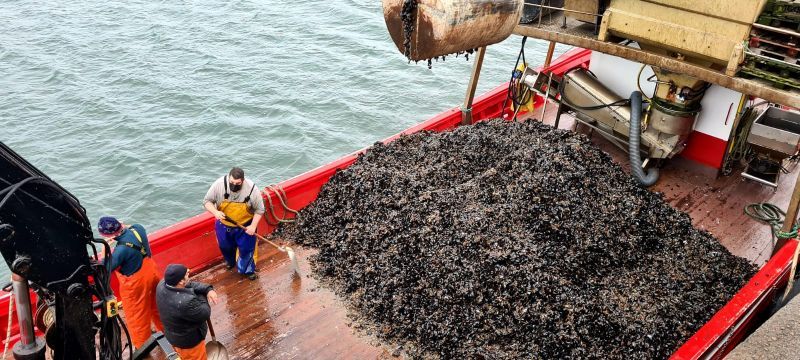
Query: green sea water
(137,106)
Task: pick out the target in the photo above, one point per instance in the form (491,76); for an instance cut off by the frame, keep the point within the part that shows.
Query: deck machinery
(707,39)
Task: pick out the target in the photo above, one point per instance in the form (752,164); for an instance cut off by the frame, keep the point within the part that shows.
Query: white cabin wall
(714,119)
(619,74)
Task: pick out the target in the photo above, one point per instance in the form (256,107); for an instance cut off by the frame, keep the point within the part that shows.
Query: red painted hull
(192,241)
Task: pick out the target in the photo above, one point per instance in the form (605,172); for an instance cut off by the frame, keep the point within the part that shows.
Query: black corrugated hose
(634,132)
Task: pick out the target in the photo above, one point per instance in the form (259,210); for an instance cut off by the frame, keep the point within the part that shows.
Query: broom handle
(228,219)
(211,330)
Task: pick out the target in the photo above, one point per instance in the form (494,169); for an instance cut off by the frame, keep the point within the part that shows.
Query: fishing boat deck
(715,203)
(282,316)
(288,317)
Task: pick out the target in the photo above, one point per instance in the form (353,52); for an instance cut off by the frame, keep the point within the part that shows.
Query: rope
(282,198)
(772,215)
(740,149)
(8,326)
(271,211)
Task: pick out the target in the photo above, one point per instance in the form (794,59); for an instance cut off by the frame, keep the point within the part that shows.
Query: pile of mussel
(511,240)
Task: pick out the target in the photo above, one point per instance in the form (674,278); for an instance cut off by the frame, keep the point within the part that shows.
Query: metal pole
(24,315)
(558,115)
(546,94)
(550,49)
(791,216)
(466,111)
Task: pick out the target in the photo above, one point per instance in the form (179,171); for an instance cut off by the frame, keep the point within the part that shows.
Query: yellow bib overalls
(237,211)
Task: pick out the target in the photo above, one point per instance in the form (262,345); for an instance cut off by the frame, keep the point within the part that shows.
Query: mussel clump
(513,241)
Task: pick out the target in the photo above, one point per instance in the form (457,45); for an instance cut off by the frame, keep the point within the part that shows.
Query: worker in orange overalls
(138,276)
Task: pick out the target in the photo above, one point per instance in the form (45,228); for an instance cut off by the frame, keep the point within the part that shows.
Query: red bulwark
(574,58)
(705,149)
(728,326)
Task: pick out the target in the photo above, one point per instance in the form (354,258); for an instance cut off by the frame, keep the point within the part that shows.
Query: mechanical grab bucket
(426,29)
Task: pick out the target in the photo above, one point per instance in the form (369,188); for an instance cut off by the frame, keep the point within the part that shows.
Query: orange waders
(196,353)
(138,293)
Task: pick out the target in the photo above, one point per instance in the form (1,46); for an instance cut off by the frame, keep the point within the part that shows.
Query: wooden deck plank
(281,316)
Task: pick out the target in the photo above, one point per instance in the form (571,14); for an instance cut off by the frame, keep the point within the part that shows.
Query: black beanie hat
(174,274)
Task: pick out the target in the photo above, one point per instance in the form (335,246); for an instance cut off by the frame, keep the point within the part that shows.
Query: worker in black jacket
(185,310)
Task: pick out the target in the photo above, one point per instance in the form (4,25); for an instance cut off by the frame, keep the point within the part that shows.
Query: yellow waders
(239,212)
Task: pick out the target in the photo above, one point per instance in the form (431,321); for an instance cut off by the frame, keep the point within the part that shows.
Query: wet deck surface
(280,316)
(715,203)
